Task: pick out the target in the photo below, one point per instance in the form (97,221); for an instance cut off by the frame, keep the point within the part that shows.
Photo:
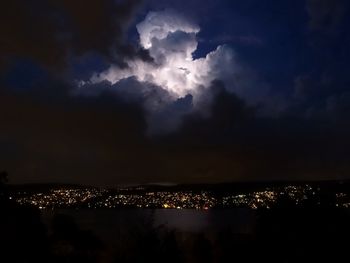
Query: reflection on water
(108,224)
(238,220)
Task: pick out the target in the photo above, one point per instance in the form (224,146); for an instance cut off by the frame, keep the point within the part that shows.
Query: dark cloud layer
(49,32)
(136,132)
(102,140)
(326,15)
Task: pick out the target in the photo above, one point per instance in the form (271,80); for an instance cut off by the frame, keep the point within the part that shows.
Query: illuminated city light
(204,200)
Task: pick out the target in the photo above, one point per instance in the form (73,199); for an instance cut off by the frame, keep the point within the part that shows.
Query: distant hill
(42,187)
(246,186)
(219,187)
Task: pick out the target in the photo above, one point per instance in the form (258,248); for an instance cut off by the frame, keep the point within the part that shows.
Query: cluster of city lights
(141,198)
(59,198)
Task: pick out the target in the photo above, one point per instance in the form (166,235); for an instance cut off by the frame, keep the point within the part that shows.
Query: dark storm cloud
(236,144)
(317,91)
(70,141)
(143,94)
(325,15)
(322,97)
(227,111)
(162,112)
(48,32)
(136,132)
(101,139)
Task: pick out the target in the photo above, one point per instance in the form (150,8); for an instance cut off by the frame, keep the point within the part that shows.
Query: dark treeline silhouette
(285,233)
(304,233)
(23,236)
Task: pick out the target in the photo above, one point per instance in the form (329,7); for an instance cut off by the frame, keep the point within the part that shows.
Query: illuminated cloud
(171,41)
(160,24)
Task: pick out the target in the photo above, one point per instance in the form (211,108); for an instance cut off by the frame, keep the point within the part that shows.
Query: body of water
(110,224)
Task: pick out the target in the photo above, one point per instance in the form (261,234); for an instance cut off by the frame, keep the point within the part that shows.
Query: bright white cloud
(159,25)
(171,41)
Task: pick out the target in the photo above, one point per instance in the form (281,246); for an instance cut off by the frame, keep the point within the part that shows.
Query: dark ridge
(36,187)
(218,187)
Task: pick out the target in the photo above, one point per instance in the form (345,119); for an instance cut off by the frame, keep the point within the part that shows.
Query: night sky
(107,92)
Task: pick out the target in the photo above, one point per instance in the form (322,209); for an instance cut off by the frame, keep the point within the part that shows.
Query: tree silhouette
(170,250)
(3,181)
(23,235)
(71,244)
(202,249)
(3,177)
(306,233)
